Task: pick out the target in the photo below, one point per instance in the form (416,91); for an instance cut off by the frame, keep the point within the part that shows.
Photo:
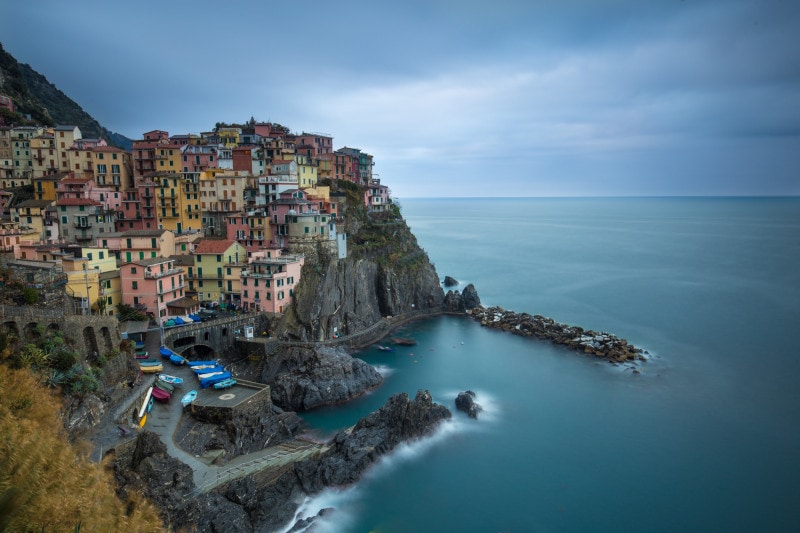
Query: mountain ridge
(34,95)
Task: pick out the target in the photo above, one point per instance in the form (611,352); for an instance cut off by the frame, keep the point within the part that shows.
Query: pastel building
(137,245)
(268,282)
(152,285)
(215,276)
(83,220)
(112,167)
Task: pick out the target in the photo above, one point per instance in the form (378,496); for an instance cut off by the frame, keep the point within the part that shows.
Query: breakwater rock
(600,344)
(303,378)
(465,401)
(354,449)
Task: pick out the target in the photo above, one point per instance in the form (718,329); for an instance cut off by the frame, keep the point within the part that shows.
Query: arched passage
(90,341)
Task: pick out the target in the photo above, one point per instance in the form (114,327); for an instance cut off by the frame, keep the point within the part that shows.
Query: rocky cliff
(385,273)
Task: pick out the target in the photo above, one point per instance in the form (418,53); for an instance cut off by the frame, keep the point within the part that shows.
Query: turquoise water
(706,438)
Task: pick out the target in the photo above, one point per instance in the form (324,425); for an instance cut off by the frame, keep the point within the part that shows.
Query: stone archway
(105,334)
(53,328)
(32,330)
(90,341)
(11,327)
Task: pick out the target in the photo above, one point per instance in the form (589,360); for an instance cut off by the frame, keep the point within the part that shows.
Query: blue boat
(201,363)
(165,352)
(208,382)
(225,383)
(176,359)
(188,398)
(148,362)
(195,317)
(139,345)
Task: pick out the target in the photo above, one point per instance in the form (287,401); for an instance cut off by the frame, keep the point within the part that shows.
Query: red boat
(161,395)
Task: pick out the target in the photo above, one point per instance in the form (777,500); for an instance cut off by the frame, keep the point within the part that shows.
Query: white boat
(188,398)
(172,380)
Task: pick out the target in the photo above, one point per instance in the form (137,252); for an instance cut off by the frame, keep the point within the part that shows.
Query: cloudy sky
(456,97)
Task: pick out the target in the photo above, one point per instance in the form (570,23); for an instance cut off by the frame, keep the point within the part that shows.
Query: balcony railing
(149,274)
(171,289)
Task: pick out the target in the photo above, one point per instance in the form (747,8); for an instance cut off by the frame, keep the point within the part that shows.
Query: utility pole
(86,277)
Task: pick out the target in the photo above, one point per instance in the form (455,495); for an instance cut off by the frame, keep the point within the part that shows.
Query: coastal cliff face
(386,273)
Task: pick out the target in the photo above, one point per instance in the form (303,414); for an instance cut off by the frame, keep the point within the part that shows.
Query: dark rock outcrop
(455,302)
(304,378)
(600,344)
(240,432)
(355,449)
(465,401)
(449,281)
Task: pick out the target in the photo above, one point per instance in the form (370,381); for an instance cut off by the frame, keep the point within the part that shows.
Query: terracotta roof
(185,303)
(213,246)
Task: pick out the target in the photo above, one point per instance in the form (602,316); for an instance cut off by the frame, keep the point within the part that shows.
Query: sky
(455,97)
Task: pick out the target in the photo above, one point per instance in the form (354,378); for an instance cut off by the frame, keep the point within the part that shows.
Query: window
(102,255)
(135,285)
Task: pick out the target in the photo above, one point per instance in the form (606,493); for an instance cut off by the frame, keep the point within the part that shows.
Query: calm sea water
(706,438)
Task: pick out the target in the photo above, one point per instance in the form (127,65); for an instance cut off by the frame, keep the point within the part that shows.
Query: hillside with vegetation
(35,96)
(48,483)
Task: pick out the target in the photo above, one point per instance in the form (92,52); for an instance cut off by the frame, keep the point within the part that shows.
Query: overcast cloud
(456,98)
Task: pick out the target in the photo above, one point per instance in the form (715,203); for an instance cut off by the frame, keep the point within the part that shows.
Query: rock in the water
(450,282)
(469,297)
(465,401)
(455,302)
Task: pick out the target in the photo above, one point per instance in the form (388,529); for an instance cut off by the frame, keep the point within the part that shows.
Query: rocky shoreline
(599,344)
(268,500)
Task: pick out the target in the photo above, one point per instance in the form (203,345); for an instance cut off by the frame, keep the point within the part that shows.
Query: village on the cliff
(222,220)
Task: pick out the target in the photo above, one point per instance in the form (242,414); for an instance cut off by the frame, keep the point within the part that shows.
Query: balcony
(149,274)
(171,289)
(83,225)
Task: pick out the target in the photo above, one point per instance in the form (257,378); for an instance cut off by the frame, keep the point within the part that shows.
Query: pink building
(268,283)
(376,197)
(154,286)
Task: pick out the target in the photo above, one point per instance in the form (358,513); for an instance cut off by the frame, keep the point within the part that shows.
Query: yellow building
(168,159)
(44,187)
(83,282)
(113,167)
(306,171)
(30,216)
(229,137)
(64,136)
(43,154)
(216,275)
(178,203)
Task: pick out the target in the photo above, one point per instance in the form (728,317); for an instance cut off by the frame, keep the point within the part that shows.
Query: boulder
(465,401)
(313,377)
(469,297)
(449,282)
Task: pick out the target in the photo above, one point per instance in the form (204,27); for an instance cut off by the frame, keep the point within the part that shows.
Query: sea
(705,437)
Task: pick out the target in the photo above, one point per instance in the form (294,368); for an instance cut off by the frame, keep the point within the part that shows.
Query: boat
(152,369)
(165,352)
(138,345)
(189,397)
(163,385)
(201,363)
(161,395)
(172,380)
(148,362)
(176,359)
(386,348)
(208,382)
(404,341)
(225,383)
(206,369)
(142,355)
(144,402)
(210,374)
